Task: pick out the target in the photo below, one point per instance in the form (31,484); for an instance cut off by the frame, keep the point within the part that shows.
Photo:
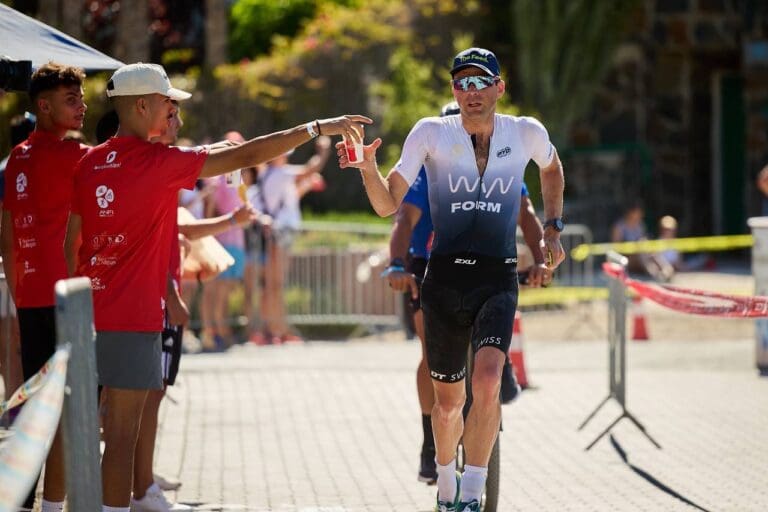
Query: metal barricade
(335,278)
(80,422)
(617,351)
(338,282)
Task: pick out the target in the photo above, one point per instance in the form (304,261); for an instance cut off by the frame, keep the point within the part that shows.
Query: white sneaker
(155,501)
(166,484)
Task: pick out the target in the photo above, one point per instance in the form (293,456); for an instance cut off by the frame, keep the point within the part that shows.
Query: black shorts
(464,303)
(171,356)
(418,267)
(37,332)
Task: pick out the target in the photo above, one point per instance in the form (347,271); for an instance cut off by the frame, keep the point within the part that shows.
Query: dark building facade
(680,121)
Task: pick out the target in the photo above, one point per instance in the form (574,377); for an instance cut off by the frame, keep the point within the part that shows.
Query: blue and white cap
(476,57)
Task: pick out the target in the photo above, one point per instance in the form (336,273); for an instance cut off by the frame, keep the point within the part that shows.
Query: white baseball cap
(140,78)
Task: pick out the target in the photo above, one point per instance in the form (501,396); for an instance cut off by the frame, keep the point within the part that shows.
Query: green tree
(564,49)
(253,23)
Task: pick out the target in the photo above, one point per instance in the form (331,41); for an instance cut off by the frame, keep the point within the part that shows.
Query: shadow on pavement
(650,478)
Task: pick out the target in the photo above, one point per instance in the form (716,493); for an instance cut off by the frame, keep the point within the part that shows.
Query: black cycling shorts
(418,267)
(37,332)
(463,302)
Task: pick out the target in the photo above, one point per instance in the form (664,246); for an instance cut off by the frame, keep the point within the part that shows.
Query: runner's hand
(553,249)
(346,126)
(402,281)
(539,275)
(369,155)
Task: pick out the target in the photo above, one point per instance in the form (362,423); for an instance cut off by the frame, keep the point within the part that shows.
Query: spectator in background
(670,260)
(279,188)
(21,127)
(223,199)
(631,228)
(38,195)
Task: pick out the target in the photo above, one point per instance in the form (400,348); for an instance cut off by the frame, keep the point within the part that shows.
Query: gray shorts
(129,360)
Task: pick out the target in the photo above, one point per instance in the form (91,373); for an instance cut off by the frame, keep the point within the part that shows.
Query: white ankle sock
(472,483)
(446,481)
(52,506)
(105,508)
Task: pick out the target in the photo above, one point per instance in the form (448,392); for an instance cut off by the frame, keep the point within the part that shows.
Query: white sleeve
(536,141)
(415,150)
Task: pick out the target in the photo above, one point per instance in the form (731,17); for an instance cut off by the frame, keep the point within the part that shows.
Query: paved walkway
(335,427)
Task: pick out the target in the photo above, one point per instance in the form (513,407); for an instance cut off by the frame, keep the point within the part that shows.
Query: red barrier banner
(697,302)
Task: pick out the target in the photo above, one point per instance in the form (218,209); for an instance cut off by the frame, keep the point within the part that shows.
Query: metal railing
(338,282)
(65,388)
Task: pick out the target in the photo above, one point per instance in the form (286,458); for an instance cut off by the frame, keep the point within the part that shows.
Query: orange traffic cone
(639,328)
(516,352)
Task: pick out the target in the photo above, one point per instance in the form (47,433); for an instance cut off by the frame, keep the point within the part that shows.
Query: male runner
(409,248)
(124,206)
(38,193)
(474,163)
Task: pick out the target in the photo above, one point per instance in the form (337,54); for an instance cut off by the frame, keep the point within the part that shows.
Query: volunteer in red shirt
(38,194)
(125,208)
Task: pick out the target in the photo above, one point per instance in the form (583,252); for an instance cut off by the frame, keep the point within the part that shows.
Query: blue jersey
(418,195)
(473,213)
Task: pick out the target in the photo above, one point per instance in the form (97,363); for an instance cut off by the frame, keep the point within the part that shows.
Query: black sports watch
(557,224)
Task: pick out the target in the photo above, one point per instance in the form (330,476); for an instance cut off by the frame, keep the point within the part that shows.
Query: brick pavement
(334,427)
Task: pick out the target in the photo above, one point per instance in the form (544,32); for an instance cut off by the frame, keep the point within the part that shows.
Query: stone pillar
(759,226)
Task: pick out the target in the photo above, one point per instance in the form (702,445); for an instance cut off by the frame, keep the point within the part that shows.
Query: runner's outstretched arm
(385,194)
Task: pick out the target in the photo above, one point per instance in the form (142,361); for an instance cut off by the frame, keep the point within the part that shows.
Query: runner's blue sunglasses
(480,82)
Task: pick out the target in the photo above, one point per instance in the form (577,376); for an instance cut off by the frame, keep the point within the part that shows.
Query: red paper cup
(354,151)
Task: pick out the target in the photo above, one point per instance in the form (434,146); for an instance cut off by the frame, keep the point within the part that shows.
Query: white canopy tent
(25,38)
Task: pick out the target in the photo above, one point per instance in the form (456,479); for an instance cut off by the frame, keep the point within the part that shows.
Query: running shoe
(428,469)
(472,506)
(450,506)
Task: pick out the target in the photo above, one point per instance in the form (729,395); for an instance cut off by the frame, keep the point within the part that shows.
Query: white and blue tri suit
(470,288)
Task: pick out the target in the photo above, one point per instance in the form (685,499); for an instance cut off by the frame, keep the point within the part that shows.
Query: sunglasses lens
(480,82)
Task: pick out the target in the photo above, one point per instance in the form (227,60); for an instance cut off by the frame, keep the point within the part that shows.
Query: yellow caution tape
(560,295)
(696,244)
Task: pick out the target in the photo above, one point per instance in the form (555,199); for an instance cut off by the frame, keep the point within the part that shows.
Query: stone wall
(658,101)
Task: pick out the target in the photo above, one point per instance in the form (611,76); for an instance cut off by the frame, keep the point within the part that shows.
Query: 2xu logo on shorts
(462,261)
(444,377)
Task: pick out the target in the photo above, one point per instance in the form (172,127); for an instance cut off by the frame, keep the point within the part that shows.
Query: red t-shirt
(126,191)
(38,194)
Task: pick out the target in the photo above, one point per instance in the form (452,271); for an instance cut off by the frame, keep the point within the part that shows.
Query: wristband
(232,219)
(392,268)
(311,129)
(396,262)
